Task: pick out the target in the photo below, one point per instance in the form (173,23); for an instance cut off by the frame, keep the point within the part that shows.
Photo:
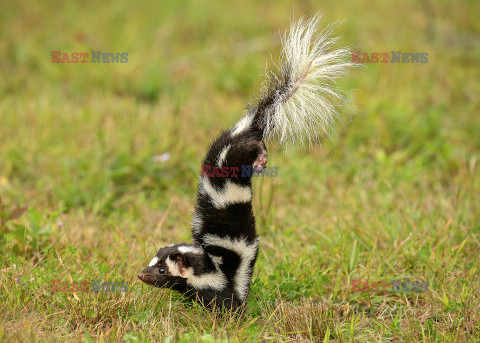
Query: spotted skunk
(298,105)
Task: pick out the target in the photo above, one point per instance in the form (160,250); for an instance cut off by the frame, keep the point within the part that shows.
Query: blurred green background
(394,196)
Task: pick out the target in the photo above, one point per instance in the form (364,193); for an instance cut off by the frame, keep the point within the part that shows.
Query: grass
(394,197)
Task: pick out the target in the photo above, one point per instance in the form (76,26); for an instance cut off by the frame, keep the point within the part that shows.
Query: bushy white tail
(300,101)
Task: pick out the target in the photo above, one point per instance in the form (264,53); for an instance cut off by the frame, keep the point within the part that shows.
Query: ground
(106,158)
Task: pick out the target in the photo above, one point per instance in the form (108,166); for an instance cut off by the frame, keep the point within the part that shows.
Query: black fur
(235,221)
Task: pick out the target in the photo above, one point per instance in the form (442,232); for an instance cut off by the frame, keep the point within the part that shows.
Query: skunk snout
(149,276)
(145,276)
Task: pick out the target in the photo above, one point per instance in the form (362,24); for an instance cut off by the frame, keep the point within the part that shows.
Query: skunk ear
(177,258)
(181,259)
(177,263)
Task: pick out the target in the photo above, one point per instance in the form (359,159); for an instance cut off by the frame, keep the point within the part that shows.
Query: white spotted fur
(217,260)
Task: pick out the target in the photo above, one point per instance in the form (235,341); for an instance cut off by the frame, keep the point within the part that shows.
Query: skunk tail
(299,100)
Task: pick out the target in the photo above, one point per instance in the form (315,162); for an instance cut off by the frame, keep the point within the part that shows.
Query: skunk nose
(141,276)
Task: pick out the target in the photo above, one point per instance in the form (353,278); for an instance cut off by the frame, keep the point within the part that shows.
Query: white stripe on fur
(215,280)
(230,194)
(223,155)
(243,125)
(173,267)
(197,222)
(191,249)
(153,261)
(247,253)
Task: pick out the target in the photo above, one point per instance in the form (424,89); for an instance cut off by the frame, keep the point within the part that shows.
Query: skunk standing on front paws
(298,105)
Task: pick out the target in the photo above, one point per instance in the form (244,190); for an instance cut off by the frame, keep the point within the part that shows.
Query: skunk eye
(161,270)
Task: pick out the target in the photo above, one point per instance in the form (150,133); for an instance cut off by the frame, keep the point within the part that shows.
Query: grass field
(394,197)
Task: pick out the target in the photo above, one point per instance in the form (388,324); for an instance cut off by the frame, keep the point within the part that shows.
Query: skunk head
(171,266)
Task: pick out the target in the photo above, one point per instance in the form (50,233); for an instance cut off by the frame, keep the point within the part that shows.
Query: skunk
(298,105)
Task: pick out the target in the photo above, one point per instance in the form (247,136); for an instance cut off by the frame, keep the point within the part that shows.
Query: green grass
(394,196)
